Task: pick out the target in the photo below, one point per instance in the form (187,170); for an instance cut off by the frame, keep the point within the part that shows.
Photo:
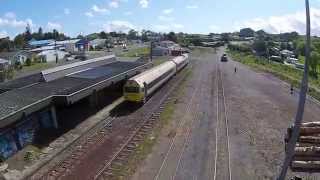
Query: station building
(32,104)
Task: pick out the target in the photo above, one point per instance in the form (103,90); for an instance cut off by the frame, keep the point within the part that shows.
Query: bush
(28,62)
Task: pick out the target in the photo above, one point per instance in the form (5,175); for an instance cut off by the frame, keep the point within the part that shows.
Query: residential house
(52,55)
(4,65)
(160,51)
(17,56)
(97,43)
(67,45)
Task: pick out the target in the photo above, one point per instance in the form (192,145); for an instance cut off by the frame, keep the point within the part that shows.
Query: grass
(159,60)
(136,52)
(145,147)
(289,74)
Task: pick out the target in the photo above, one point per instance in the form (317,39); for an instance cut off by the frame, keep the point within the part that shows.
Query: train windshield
(132,89)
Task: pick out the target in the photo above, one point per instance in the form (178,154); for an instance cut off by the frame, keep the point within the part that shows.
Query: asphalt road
(225,127)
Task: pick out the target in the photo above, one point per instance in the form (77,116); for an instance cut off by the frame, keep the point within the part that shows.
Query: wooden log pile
(307,151)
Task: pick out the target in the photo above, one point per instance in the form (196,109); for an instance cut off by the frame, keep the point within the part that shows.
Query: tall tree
(40,33)
(314,64)
(28,35)
(132,34)
(246,32)
(172,37)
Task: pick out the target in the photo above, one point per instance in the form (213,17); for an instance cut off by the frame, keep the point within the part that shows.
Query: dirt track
(258,107)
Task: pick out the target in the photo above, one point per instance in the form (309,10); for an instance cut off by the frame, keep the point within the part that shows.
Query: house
(4,66)
(17,56)
(96,43)
(67,45)
(160,51)
(167,44)
(286,53)
(82,45)
(52,55)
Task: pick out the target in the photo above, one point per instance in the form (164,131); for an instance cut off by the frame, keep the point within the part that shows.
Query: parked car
(224,58)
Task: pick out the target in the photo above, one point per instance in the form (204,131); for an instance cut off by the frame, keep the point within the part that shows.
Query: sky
(189,16)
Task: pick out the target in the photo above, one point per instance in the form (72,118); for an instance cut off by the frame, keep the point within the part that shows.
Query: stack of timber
(307,151)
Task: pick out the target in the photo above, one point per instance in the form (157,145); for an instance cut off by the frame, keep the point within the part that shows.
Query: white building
(97,43)
(52,55)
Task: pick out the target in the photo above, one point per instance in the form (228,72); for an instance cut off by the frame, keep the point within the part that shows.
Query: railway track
(222,154)
(143,121)
(136,137)
(174,139)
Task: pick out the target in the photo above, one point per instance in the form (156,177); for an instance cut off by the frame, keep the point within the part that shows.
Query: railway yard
(207,122)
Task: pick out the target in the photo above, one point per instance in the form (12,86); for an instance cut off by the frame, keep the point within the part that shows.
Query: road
(226,125)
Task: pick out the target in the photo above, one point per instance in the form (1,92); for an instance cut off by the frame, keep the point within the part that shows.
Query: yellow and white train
(140,87)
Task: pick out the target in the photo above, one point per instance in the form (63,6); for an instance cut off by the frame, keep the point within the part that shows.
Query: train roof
(152,73)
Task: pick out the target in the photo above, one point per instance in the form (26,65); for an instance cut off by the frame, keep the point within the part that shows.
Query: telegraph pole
(302,99)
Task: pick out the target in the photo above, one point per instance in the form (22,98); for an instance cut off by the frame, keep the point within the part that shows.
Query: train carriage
(140,87)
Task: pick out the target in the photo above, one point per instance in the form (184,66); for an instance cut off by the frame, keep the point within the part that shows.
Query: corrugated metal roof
(41,42)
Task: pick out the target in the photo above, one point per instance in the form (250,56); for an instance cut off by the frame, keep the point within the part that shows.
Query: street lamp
(302,99)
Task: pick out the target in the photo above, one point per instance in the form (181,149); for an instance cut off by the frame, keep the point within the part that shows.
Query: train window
(132,89)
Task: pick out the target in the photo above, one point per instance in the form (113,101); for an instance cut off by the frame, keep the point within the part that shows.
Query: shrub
(28,62)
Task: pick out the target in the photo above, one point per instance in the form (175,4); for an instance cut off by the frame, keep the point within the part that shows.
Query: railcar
(140,87)
(181,61)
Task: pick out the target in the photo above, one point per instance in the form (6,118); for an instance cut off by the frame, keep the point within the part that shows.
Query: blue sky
(191,16)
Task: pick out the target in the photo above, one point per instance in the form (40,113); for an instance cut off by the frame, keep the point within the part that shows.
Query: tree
(40,33)
(144,35)
(172,37)
(246,32)
(132,34)
(260,47)
(314,64)
(5,44)
(225,37)
(103,35)
(19,41)
(27,33)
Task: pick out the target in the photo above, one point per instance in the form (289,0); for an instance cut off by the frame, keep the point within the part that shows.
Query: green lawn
(136,52)
(284,72)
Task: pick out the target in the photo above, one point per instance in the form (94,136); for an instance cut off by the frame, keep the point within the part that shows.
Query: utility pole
(302,99)
(151,44)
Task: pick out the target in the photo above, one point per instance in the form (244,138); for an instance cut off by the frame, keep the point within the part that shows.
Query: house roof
(71,41)
(40,42)
(2,61)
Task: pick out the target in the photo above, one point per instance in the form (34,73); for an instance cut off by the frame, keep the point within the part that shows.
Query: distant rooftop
(40,42)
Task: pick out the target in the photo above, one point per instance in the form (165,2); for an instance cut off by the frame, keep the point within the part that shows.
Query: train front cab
(133,92)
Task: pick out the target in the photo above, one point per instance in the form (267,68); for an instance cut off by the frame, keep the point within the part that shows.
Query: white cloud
(54,25)
(117,25)
(88,14)
(144,3)
(114,4)
(97,9)
(165,18)
(178,26)
(128,13)
(214,27)
(168,27)
(10,15)
(167,11)
(66,11)
(161,28)
(3,34)
(192,6)
(284,23)
(15,23)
